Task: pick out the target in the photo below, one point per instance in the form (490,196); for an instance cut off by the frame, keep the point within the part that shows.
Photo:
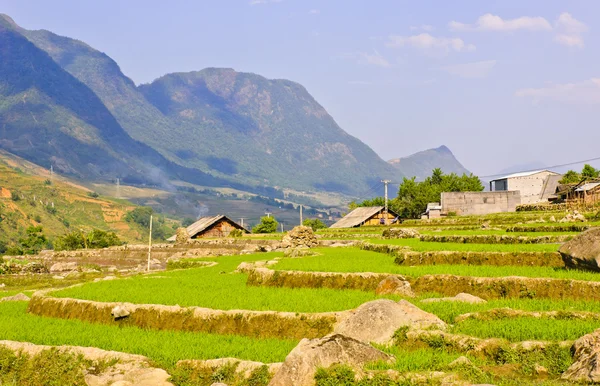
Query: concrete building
(533,186)
(434,210)
(477,203)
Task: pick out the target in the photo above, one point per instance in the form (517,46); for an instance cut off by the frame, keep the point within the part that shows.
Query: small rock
(394,285)
(539,369)
(400,233)
(460,361)
(120,312)
(56,277)
(461,297)
(16,298)
(552,219)
(218,384)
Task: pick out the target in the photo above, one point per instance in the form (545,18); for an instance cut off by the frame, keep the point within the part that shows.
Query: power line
(547,167)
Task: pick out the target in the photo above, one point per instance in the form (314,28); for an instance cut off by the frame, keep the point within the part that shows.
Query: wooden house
(216,226)
(366,216)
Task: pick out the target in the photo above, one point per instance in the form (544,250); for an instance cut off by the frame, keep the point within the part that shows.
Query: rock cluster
(400,233)
(583,251)
(64,267)
(461,297)
(21,297)
(300,237)
(574,217)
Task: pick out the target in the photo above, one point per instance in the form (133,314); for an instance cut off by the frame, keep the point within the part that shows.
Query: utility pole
(242,221)
(268,214)
(301,222)
(150,243)
(385,210)
(281,227)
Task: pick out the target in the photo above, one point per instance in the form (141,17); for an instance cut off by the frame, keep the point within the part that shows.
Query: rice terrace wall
(477,203)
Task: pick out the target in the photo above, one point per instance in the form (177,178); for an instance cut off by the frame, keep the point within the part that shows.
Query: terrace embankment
(507,287)
(260,324)
(495,239)
(404,256)
(364,281)
(509,313)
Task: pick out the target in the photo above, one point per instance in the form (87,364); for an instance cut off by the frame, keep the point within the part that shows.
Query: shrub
(50,209)
(15,196)
(315,224)
(93,194)
(47,182)
(79,240)
(236,233)
(266,225)
(34,242)
(37,218)
(140,216)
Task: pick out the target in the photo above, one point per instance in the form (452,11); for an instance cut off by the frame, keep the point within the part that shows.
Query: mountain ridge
(421,164)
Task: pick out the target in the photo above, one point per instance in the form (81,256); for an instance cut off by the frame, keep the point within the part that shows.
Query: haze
(500,83)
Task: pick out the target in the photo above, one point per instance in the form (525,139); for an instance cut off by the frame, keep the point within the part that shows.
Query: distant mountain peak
(7,21)
(422,163)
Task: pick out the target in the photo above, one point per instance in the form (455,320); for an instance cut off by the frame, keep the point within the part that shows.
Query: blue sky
(501,83)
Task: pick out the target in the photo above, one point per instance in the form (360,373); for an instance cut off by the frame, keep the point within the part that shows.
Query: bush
(47,182)
(315,224)
(15,196)
(37,218)
(266,225)
(236,233)
(50,209)
(79,240)
(140,215)
(34,242)
(93,194)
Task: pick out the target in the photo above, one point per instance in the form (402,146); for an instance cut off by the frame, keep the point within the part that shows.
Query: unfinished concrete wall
(531,187)
(475,203)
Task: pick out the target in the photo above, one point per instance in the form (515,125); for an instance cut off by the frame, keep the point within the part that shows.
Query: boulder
(461,297)
(583,251)
(400,233)
(300,236)
(120,312)
(64,267)
(301,364)
(182,236)
(586,360)
(16,298)
(378,320)
(394,285)
(460,362)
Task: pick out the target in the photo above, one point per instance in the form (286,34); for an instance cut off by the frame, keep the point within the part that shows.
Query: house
(434,210)
(216,226)
(534,186)
(366,216)
(588,193)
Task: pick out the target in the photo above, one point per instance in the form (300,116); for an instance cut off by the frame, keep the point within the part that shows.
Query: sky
(501,83)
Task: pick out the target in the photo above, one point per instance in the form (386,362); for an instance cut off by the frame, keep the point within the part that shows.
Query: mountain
(241,128)
(422,163)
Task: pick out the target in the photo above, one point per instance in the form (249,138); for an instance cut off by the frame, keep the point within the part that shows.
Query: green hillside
(30,196)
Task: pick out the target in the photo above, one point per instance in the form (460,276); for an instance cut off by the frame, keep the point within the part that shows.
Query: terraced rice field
(221,287)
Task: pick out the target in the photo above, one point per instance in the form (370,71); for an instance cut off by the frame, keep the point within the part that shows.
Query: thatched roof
(206,222)
(359,216)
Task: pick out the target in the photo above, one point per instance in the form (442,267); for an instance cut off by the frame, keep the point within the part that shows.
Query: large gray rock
(583,251)
(586,360)
(400,233)
(378,320)
(300,236)
(16,298)
(301,364)
(64,267)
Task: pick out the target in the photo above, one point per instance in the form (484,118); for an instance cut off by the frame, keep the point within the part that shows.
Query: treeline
(588,173)
(413,196)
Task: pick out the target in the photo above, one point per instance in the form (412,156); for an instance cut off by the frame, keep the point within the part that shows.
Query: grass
(163,347)
(356,260)
(217,287)
(420,246)
(527,328)
(501,232)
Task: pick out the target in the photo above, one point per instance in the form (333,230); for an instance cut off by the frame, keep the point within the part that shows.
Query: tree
(315,224)
(414,196)
(187,222)
(266,225)
(570,177)
(34,242)
(80,240)
(589,172)
(140,215)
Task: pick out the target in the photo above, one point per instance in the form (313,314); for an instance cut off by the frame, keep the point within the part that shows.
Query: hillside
(29,196)
(422,163)
(243,129)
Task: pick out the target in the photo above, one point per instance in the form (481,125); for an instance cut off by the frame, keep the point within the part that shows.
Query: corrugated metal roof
(357,216)
(522,174)
(204,223)
(588,186)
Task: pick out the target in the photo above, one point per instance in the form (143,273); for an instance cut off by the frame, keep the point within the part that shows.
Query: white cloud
(489,22)
(430,43)
(471,70)
(314,12)
(424,27)
(375,59)
(584,92)
(569,31)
